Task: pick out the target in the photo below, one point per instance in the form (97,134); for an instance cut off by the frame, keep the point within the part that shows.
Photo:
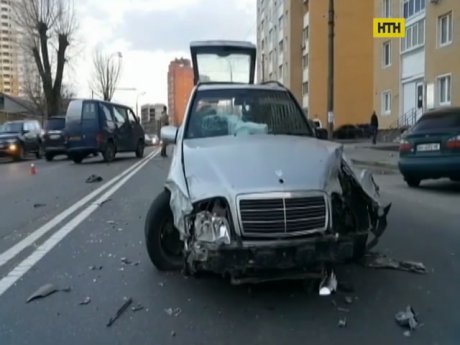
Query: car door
(123,131)
(28,136)
(223,61)
(136,129)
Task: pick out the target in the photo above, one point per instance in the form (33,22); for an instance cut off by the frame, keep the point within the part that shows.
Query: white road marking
(22,268)
(29,240)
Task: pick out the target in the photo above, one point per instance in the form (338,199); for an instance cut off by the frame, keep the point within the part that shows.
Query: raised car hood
(231,165)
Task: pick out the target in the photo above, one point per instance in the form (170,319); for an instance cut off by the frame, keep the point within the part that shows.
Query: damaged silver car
(252,192)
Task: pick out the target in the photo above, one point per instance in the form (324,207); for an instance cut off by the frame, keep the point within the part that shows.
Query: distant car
(148,140)
(94,126)
(155,140)
(54,137)
(19,138)
(348,132)
(431,148)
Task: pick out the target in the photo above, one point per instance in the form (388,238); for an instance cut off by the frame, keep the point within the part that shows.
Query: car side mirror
(321,133)
(168,134)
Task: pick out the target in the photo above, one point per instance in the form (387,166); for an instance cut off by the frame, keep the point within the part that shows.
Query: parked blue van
(94,126)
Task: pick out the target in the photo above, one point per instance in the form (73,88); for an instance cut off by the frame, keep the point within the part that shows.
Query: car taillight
(454,143)
(99,137)
(405,146)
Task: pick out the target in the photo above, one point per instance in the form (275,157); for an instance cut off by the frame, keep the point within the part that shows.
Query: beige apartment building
(420,71)
(292,45)
(9,82)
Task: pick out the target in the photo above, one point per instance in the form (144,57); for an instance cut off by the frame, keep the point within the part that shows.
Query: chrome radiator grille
(282,216)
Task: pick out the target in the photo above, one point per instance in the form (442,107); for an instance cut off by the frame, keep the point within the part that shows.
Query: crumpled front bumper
(277,258)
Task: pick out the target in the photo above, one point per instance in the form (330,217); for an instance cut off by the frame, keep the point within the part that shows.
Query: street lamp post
(137,102)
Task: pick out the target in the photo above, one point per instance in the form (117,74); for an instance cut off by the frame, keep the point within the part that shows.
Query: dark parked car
(19,138)
(431,149)
(366,130)
(348,132)
(54,137)
(94,126)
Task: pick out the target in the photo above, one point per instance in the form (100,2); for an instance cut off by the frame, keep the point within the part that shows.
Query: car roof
(21,121)
(443,111)
(273,85)
(100,101)
(59,117)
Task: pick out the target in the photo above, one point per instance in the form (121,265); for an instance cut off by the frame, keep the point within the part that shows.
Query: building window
(386,8)
(445,29)
(305,34)
(281,46)
(280,72)
(281,22)
(444,89)
(305,88)
(386,102)
(305,61)
(386,54)
(415,36)
(413,7)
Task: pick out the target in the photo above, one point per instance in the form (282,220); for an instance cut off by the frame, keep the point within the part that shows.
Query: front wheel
(77,159)
(140,149)
(39,152)
(109,152)
(412,181)
(49,157)
(164,245)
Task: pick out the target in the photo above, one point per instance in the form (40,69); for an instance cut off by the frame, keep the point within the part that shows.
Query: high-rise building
(9,82)
(420,71)
(279,50)
(180,85)
(293,48)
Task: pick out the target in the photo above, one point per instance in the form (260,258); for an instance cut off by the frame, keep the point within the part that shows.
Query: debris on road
(110,222)
(173,312)
(377,260)
(407,318)
(86,301)
(45,291)
(328,285)
(348,300)
(407,333)
(342,322)
(137,307)
(95,268)
(126,261)
(94,178)
(120,311)
(38,205)
(103,202)
(161,284)
(173,334)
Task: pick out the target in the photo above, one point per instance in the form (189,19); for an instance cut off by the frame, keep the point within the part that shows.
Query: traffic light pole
(330,77)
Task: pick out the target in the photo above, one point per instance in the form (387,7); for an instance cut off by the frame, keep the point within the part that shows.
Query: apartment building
(279,43)
(305,54)
(180,85)
(420,71)
(9,82)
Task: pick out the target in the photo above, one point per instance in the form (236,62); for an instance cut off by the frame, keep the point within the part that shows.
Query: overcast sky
(150,33)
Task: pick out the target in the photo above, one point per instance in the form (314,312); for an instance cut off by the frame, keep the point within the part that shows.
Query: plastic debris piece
(343,310)
(377,260)
(407,318)
(43,291)
(161,284)
(173,333)
(95,268)
(110,222)
(37,205)
(328,285)
(119,312)
(137,307)
(173,312)
(407,333)
(348,299)
(86,301)
(342,322)
(126,261)
(93,178)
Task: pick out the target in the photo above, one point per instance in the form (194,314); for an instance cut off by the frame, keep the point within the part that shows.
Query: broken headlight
(211,228)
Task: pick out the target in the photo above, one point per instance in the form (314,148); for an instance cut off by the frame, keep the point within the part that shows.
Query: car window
(12,127)
(120,115)
(89,111)
(437,121)
(55,124)
(28,126)
(245,111)
(108,116)
(132,117)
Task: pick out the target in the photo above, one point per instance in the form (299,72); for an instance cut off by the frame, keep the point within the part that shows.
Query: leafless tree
(46,26)
(106,74)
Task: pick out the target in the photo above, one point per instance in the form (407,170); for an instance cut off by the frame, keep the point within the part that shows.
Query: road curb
(375,164)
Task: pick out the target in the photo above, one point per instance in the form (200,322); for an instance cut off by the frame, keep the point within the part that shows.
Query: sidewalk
(383,155)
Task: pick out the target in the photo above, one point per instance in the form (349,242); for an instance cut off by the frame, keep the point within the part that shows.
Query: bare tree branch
(46,29)
(107,73)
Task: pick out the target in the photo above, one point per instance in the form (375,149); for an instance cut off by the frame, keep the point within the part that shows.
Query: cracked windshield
(229,172)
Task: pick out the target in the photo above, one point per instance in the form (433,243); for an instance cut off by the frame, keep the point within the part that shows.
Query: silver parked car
(251,192)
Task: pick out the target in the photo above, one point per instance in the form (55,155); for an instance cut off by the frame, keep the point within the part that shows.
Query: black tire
(360,247)
(160,219)
(77,159)
(109,152)
(140,149)
(412,182)
(49,157)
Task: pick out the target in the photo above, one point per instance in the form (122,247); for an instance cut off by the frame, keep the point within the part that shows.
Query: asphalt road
(423,226)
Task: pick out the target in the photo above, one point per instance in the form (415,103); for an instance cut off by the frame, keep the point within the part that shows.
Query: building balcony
(280,58)
(280,35)
(305,101)
(305,75)
(306,20)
